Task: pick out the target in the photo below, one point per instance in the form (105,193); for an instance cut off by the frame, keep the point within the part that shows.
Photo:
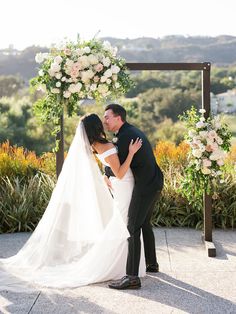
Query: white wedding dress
(82,236)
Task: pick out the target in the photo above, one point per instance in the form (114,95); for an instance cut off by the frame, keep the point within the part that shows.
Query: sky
(24,23)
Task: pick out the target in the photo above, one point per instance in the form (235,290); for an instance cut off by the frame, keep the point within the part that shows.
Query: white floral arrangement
(76,71)
(209,141)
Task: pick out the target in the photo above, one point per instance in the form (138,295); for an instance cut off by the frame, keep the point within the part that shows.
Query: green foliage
(22,202)
(10,85)
(175,210)
(18,125)
(167,130)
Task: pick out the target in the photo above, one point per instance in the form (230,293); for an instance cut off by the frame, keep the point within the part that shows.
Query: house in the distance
(224,102)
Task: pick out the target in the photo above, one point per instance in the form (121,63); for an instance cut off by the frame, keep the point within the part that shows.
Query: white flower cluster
(90,71)
(206,146)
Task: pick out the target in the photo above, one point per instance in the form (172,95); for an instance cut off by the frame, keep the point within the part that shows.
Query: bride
(82,236)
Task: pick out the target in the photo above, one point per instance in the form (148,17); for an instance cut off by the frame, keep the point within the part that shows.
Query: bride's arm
(113,160)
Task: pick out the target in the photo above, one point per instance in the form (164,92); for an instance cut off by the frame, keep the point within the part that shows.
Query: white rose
(79,52)
(86,50)
(59,75)
(115,69)
(217,154)
(75,88)
(103,79)
(220,162)
(92,59)
(202,148)
(108,81)
(72,88)
(84,62)
(58,59)
(39,58)
(86,76)
(69,62)
(66,94)
(41,73)
(206,170)
(117,85)
(106,62)
(55,90)
(202,110)
(63,79)
(93,87)
(197,153)
(102,88)
(212,134)
(55,67)
(200,125)
(108,73)
(206,163)
(90,73)
(58,84)
(78,87)
(51,72)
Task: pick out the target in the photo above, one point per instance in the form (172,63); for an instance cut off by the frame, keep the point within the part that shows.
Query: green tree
(10,85)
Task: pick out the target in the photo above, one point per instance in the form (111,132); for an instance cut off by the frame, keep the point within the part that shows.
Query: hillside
(220,51)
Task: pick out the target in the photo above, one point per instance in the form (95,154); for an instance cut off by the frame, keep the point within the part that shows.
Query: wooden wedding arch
(205,68)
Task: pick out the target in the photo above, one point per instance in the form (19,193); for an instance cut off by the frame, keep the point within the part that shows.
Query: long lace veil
(78,212)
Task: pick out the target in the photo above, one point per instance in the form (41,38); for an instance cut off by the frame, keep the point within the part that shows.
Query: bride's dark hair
(94,128)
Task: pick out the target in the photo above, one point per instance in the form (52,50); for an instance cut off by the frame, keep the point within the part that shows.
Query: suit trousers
(139,216)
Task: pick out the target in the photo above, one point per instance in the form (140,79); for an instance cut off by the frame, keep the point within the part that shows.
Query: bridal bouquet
(209,141)
(76,71)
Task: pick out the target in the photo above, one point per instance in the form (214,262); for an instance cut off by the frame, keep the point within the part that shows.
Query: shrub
(22,202)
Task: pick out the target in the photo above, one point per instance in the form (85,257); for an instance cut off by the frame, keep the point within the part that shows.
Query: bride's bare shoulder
(102,147)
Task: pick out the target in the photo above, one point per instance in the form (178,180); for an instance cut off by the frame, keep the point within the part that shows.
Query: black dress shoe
(152,268)
(127,282)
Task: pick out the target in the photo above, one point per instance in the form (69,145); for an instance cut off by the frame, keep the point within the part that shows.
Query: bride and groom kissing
(95,230)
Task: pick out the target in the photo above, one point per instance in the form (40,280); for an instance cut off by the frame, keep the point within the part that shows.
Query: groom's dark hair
(118,110)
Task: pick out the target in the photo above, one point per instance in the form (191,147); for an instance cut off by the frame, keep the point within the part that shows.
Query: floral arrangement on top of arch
(76,71)
(209,140)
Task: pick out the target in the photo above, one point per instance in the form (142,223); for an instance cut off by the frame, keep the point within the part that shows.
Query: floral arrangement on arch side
(77,71)
(209,140)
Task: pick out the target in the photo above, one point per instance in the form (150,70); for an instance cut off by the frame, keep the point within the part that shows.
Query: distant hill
(220,51)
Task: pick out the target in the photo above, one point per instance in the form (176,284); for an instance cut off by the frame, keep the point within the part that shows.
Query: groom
(148,185)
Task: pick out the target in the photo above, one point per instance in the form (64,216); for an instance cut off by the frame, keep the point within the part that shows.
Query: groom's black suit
(148,184)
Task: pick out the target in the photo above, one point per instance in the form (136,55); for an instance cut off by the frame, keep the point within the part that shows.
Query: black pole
(207,199)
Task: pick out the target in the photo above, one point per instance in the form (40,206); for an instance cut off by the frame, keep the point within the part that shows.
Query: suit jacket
(147,174)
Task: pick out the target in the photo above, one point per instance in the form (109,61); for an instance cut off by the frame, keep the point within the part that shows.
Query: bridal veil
(79,230)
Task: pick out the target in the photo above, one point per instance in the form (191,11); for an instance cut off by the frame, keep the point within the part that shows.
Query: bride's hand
(135,146)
